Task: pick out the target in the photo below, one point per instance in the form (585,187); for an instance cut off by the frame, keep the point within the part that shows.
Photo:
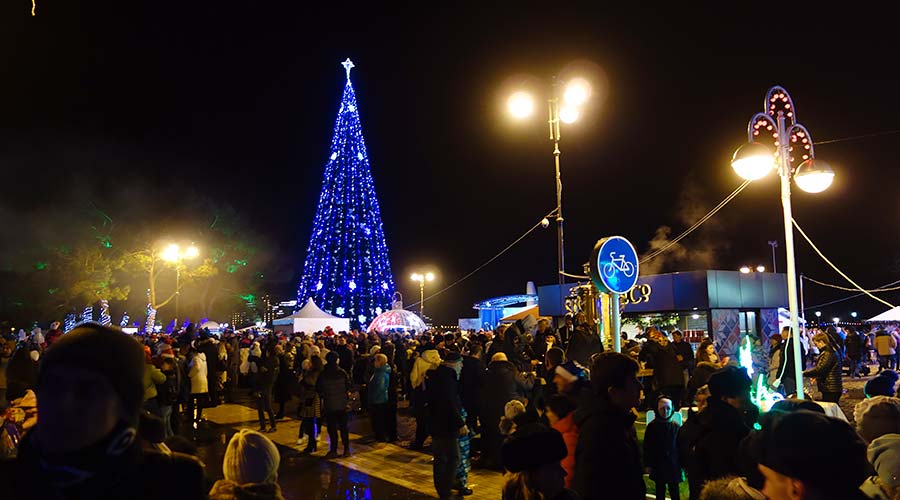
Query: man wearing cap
(532,456)
(809,456)
(571,381)
(446,423)
(725,421)
(89,392)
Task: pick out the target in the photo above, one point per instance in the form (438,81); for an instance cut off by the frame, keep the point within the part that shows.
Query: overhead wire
(843,275)
(885,288)
(851,297)
(697,224)
(856,137)
(482,266)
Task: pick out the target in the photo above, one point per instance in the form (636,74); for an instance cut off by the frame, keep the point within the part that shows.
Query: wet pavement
(374,470)
(300,476)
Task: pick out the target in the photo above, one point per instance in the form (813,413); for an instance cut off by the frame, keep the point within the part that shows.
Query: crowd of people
(550,408)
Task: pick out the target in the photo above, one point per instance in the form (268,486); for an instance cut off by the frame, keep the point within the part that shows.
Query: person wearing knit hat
(809,456)
(883,384)
(877,416)
(250,468)
(884,454)
(532,457)
(89,392)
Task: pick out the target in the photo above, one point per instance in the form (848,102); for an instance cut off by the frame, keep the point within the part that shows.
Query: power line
(856,137)
(886,288)
(697,224)
(492,259)
(845,298)
(814,247)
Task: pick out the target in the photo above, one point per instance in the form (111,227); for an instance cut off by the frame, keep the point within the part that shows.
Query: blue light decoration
(151,319)
(105,319)
(347,272)
(125,319)
(69,322)
(87,315)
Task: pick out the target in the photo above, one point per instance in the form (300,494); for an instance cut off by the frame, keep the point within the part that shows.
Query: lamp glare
(520,104)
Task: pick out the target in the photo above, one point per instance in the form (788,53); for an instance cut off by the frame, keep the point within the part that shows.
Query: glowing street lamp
(760,269)
(174,255)
(564,106)
(421,279)
(745,270)
(752,161)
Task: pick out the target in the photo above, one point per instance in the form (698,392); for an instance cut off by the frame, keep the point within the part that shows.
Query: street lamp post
(174,255)
(754,161)
(774,245)
(422,278)
(561,107)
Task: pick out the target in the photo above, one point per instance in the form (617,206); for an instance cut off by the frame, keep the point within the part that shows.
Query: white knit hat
(250,458)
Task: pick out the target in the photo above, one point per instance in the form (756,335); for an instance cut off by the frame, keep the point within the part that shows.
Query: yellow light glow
(569,114)
(752,161)
(745,270)
(760,269)
(192,252)
(520,104)
(814,176)
(171,253)
(577,92)
(429,276)
(416,277)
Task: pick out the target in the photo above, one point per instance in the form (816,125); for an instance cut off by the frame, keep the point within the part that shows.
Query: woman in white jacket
(199,385)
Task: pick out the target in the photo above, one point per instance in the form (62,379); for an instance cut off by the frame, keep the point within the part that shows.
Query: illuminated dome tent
(397,320)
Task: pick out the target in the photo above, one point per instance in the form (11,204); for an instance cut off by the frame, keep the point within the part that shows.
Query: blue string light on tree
(69,323)
(105,319)
(125,319)
(347,271)
(87,316)
(149,327)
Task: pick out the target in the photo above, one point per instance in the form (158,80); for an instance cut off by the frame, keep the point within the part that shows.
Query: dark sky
(236,101)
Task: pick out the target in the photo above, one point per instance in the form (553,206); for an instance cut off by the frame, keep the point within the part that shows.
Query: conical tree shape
(347,272)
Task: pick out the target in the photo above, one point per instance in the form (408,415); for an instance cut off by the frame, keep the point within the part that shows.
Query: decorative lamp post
(563,106)
(421,279)
(793,145)
(174,255)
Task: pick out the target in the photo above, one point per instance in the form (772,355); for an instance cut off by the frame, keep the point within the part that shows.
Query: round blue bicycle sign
(614,265)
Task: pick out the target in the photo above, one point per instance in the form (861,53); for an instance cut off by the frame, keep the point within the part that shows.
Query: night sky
(149,104)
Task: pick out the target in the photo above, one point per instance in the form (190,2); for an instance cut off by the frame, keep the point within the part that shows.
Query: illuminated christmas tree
(347,271)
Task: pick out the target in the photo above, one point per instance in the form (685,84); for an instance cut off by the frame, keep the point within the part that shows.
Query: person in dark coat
(661,451)
(446,422)
(854,345)
(827,371)
(712,445)
(607,456)
(471,380)
(532,457)
(500,386)
(286,383)
(684,353)
(87,446)
(214,367)
(566,332)
(265,383)
(788,379)
(334,386)
(585,342)
(544,338)
(668,374)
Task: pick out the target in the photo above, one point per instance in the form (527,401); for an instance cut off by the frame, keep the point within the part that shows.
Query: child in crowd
(660,451)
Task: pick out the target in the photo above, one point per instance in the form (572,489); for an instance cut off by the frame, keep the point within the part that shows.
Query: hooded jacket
(378,385)
(197,373)
(429,360)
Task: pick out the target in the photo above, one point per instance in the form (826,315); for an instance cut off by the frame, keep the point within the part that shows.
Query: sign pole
(616,320)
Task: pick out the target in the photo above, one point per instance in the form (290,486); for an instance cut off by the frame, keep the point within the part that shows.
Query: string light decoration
(105,319)
(347,272)
(87,315)
(151,319)
(125,319)
(69,322)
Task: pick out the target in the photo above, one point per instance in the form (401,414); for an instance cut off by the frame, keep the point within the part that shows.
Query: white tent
(889,315)
(311,319)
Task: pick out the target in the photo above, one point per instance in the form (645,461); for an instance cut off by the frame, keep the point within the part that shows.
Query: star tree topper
(348,65)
